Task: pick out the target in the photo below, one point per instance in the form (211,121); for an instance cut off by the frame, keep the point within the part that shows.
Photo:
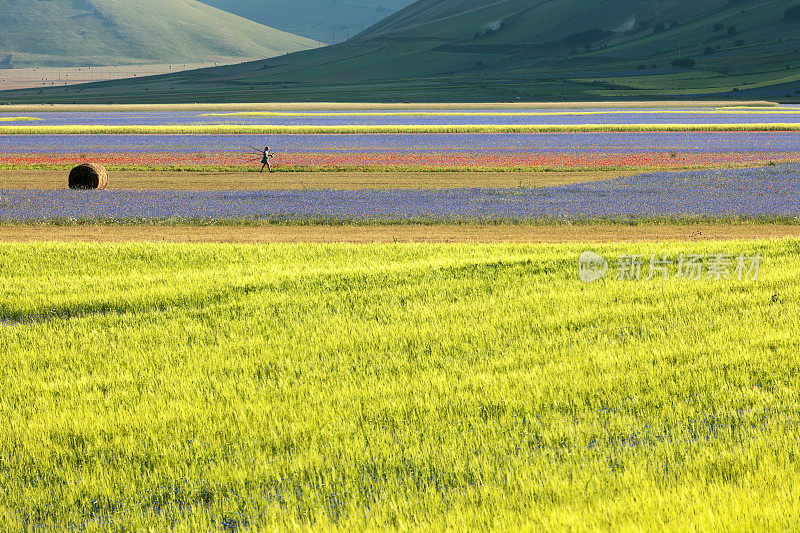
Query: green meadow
(239,387)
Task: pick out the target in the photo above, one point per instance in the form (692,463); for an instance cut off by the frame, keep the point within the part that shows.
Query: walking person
(265,157)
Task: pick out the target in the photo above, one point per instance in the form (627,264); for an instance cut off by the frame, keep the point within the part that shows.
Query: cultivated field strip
(248,180)
(353,129)
(218,232)
(412,152)
(478,144)
(366,106)
(398,386)
(377,118)
(766,193)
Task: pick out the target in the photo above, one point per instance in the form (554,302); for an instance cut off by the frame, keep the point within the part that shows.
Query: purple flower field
(785,114)
(591,142)
(756,192)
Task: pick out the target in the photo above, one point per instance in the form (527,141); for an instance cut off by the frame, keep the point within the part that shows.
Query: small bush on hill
(588,36)
(684,63)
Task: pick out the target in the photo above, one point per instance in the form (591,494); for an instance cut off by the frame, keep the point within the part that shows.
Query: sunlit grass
(404,386)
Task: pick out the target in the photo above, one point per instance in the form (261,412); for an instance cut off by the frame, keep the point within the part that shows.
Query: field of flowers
(750,193)
(742,190)
(222,387)
(376,152)
(567,116)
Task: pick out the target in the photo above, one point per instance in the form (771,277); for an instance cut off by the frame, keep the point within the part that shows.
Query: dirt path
(204,181)
(368,234)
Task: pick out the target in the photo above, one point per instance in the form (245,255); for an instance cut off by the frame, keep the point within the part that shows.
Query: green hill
(108,32)
(471,50)
(329,21)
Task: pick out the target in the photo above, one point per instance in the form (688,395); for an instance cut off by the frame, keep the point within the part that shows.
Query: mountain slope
(329,21)
(495,50)
(107,32)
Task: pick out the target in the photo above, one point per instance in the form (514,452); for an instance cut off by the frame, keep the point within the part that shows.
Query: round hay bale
(88,176)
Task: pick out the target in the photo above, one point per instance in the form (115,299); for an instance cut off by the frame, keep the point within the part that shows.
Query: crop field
(770,192)
(400,138)
(23,78)
(350,129)
(231,107)
(392,152)
(441,117)
(461,386)
(453,317)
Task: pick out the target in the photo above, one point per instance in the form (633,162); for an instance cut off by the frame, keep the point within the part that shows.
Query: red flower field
(408,161)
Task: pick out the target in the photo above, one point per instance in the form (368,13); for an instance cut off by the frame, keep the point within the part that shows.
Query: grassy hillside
(470,50)
(108,32)
(329,21)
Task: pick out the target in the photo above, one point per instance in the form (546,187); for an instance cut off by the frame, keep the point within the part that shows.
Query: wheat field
(342,386)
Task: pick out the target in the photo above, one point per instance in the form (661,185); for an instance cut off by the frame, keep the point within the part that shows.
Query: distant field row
(222,129)
(41,77)
(416,120)
(321,106)
(653,231)
(500,113)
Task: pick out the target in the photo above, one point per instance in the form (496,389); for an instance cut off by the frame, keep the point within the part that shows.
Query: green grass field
(406,386)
